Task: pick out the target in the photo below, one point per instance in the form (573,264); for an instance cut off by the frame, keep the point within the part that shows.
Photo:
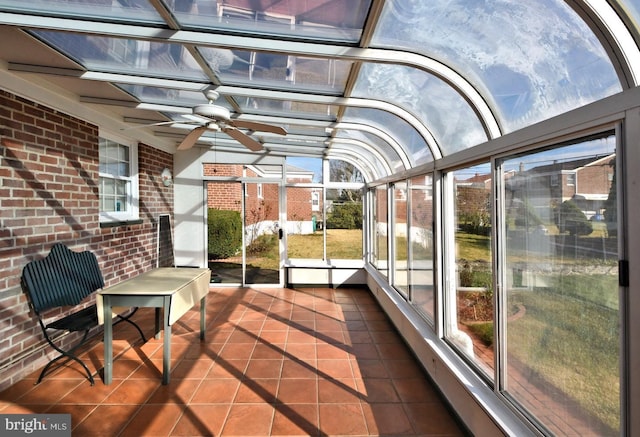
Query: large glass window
(117,186)
(305,239)
(380,229)
(421,247)
(344,223)
(324,221)
(469,302)
(561,285)
(304,224)
(401,238)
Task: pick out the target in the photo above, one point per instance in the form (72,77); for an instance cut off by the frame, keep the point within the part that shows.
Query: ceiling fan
(218,118)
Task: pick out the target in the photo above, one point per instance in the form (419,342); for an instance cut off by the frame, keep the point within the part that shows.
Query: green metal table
(172,290)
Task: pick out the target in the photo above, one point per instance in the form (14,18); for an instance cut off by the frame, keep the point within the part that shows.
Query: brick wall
(225,195)
(48,194)
(596,178)
(299,204)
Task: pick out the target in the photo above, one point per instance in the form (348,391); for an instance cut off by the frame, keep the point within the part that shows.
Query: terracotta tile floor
(275,362)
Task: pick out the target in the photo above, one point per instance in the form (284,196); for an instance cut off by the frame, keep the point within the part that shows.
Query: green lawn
(570,334)
(341,244)
(572,341)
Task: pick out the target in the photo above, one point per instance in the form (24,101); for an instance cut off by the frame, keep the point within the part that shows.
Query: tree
(341,171)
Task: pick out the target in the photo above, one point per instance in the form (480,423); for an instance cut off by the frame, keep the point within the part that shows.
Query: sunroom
(471,164)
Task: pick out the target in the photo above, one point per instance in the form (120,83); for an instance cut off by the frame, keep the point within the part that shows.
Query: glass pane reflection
(128,56)
(281,71)
(469,314)
(421,245)
(133,11)
(563,312)
(337,21)
(317,111)
(401,240)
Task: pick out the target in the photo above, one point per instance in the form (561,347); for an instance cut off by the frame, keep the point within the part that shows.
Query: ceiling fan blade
(243,139)
(256,126)
(191,138)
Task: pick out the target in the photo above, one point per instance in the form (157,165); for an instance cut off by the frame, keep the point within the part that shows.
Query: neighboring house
(262,199)
(585,181)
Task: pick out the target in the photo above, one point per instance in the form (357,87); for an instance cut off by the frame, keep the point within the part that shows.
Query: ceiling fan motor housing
(214,112)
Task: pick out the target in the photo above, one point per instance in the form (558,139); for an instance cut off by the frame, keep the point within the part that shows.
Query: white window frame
(131,212)
(315,200)
(571,179)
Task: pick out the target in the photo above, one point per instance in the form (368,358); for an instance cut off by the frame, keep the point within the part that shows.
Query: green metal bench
(65,278)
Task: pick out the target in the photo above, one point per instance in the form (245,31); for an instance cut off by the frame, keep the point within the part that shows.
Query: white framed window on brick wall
(118,185)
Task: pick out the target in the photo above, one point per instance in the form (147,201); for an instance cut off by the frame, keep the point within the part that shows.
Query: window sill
(117,223)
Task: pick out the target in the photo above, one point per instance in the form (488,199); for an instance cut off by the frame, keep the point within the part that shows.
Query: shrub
(477,223)
(484,331)
(569,218)
(345,216)
(528,216)
(224,233)
(263,244)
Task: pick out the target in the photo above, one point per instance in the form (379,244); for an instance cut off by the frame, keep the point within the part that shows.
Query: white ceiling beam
(478,101)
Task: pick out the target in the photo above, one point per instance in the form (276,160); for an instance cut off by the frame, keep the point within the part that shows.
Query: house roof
(575,164)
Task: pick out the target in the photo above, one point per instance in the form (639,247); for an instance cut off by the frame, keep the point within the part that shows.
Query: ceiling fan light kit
(214,112)
(221,121)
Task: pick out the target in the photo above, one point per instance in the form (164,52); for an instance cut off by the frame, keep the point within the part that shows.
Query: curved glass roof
(414,144)
(390,84)
(448,116)
(535,59)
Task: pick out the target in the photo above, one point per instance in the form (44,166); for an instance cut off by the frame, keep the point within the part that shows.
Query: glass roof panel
(403,132)
(168,96)
(335,20)
(287,108)
(536,59)
(391,155)
(131,11)
(443,111)
(361,157)
(328,76)
(299,129)
(126,56)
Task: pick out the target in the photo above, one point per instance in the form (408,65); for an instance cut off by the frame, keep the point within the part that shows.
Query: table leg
(166,353)
(202,316)
(108,341)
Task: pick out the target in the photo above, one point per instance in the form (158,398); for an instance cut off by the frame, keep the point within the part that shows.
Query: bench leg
(135,325)
(67,354)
